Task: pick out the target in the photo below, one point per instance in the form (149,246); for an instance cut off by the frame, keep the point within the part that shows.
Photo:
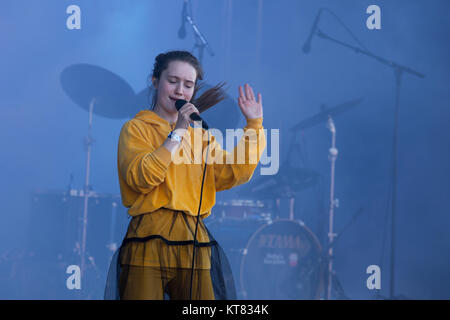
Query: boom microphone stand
(200,42)
(398,72)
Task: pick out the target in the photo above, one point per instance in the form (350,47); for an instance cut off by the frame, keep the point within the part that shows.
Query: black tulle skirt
(158,259)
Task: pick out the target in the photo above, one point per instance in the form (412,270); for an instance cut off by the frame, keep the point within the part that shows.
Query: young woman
(168,199)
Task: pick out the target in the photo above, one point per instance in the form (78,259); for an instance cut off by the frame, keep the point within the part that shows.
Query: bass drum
(282,260)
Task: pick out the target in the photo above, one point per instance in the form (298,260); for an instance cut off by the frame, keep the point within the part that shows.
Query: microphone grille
(179,103)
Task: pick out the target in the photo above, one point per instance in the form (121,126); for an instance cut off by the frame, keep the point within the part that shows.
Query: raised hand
(250,108)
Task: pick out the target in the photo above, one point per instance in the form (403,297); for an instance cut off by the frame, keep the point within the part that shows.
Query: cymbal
(285,183)
(113,96)
(323,115)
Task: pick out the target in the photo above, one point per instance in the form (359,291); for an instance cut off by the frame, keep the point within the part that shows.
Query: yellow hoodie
(150,179)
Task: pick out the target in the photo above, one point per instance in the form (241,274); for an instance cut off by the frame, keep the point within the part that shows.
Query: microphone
(194,116)
(182,30)
(307,45)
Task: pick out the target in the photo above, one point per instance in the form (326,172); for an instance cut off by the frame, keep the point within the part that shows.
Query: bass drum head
(282,261)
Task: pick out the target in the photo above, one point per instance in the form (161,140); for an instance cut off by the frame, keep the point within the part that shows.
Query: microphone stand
(398,72)
(201,42)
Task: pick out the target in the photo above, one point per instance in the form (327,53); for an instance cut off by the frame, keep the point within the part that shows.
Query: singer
(156,256)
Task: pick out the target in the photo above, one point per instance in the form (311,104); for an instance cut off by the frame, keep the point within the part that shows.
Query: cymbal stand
(87,143)
(291,208)
(112,245)
(333,152)
(337,286)
(293,146)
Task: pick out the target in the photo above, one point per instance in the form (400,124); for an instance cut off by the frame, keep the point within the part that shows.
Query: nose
(179,90)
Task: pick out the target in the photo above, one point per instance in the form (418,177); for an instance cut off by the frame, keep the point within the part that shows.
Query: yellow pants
(150,283)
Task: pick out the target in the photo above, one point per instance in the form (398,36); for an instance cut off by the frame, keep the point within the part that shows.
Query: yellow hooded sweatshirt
(149,179)
(153,181)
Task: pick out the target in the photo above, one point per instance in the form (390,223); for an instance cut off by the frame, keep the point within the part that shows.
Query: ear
(155,82)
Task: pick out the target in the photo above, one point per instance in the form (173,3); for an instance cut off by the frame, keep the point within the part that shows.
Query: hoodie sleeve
(142,165)
(237,167)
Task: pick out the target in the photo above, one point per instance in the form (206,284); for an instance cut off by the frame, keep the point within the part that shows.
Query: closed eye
(173,79)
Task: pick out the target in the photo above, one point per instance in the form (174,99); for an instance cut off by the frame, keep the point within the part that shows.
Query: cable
(198,216)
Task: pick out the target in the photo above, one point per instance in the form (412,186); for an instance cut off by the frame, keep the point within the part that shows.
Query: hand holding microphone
(185,113)
(188,114)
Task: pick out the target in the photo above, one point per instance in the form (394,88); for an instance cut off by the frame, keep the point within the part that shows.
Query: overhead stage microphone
(307,45)
(194,116)
(182,30)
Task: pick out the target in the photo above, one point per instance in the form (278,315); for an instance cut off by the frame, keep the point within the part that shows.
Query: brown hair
(208,99)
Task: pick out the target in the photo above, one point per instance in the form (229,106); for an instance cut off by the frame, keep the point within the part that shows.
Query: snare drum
(241,209)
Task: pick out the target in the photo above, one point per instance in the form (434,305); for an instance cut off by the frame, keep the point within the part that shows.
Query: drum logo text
(281,241)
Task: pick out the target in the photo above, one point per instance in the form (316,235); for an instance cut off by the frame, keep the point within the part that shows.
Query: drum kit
(273,254)
(259,241)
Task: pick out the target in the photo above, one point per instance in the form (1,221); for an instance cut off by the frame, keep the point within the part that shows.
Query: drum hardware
(336,284)
(326,114)
(114,97)
(92,86)
(88,142)
(241,210)
(333,152)
(291,208)
(112,246)
(399,71)
(55,234)
(287,183)
(291,179)
(274,246)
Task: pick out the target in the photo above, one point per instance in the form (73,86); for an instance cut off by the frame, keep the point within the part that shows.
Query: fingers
(240,102)
(241,93)
(260,98)
(248,93)
(187,110)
